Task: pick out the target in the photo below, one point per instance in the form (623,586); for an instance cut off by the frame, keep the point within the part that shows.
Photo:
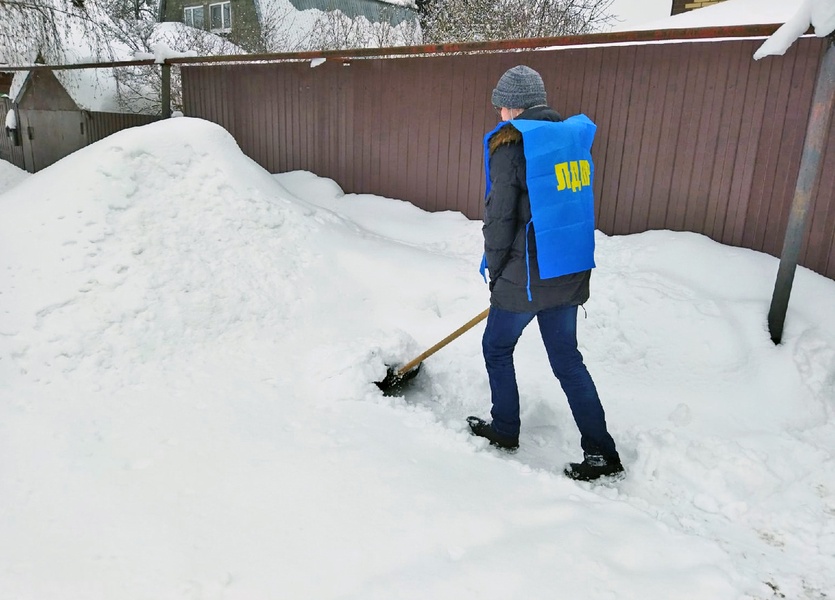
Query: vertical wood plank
(706,139)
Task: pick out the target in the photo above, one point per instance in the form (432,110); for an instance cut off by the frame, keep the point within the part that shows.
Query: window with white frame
(193,17)
(221,15)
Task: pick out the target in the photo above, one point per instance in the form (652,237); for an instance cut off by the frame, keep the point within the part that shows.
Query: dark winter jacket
(506,213)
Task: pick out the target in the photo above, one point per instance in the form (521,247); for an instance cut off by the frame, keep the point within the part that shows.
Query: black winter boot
(593,467)
(482,428)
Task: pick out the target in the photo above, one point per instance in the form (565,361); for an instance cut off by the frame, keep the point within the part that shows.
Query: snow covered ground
(188,346)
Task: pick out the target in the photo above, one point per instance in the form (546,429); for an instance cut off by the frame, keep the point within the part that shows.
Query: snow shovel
(396,378)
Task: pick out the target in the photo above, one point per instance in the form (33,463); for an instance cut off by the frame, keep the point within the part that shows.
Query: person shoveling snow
(540,261)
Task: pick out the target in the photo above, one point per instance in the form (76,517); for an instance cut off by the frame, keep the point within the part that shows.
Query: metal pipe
(122,63)
(620,37)
(816,132)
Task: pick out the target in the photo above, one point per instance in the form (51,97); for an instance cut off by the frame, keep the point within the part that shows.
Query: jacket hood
(510,135)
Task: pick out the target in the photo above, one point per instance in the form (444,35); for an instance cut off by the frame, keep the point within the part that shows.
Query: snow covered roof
(404,3)
(797,18)
(819,14)
(90,89)
(97,89)
(727,13)
(373,10)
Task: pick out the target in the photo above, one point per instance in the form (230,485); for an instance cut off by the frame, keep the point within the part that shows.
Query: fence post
(816,132)
(166,90)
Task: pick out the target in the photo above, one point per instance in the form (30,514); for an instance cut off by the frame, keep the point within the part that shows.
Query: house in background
(680,6)
(242,21)
(235,20)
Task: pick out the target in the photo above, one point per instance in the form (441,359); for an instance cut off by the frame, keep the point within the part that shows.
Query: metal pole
(165,94)
(810,163)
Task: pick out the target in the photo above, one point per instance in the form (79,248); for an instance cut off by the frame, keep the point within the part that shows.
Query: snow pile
(112,301)
(188,347)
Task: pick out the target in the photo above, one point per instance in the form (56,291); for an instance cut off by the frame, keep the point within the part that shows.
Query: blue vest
(560,178)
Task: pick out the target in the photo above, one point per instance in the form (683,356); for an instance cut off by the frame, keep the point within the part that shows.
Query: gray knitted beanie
(519,87)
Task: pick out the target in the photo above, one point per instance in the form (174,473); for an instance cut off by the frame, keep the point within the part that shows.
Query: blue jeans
(558,327)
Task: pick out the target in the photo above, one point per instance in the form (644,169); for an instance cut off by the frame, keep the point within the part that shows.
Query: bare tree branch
(482,20)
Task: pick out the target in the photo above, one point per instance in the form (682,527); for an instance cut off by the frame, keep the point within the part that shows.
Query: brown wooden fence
(102,124)
(692,136)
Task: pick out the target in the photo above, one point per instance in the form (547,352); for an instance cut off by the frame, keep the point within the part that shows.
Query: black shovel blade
(394,381)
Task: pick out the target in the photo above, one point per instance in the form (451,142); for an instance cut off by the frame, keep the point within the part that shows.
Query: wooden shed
(51,123)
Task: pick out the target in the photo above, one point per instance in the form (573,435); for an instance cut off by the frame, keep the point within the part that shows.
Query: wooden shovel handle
(455,334)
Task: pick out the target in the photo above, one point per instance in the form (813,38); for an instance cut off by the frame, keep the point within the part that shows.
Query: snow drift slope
(172,239)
